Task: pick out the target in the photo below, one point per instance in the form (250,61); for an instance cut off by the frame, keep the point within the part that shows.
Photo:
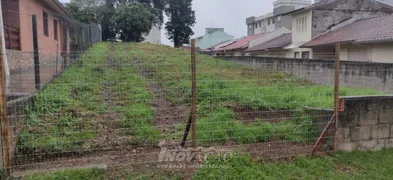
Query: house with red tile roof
(236,48)
(273,47)
(309,22)
(368,39)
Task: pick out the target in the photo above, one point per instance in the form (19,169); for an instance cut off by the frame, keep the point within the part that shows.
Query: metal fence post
(36,54)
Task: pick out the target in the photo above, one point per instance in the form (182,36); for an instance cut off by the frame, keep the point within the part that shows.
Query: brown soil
(249,115)
(166,114)
(108,123)
(278,150)
(346,168)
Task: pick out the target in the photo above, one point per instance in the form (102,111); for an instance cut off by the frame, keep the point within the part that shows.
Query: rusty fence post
(3,111)
(193,106)
(336,94)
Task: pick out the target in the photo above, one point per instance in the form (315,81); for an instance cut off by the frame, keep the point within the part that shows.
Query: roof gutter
(63,8)
(373,41)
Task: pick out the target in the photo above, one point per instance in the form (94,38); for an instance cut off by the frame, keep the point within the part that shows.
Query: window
(260,24)
(268,22)
(45,23)
(55,29)
(297,55)
(301,24)
(272,21)
(256,25)
(306,55)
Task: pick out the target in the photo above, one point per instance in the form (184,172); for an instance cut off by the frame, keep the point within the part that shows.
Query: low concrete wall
(353,74)
(366,124)
(18,60)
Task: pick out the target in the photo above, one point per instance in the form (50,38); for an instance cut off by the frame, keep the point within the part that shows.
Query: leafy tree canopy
(134,20)
(181,19)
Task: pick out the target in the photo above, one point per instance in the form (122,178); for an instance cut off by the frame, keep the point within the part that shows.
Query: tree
(105,13)
(181,19)
(157,5)
(134,20)
(83,10)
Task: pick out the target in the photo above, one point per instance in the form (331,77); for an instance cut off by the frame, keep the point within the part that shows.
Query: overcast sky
(228,14)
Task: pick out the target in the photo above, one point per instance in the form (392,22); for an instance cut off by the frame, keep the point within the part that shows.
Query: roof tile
(278,42)
(241,43)
(364,30)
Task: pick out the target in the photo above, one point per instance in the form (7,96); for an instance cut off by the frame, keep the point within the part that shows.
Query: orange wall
(46,44)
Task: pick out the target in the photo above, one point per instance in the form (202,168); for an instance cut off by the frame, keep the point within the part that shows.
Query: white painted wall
(382,52)
(299,36)
(259,27)
(297,3)
(154,37)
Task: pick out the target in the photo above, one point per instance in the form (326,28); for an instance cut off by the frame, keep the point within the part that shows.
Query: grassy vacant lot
(72,112)
(102,89)
(223,86)
(356,165)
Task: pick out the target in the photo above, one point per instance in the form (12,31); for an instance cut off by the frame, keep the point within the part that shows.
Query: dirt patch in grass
(107,126)
(278,150)
(346,168)
(250,115)
(166,114)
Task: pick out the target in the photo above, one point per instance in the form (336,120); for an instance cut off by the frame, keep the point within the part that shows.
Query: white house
(154,37)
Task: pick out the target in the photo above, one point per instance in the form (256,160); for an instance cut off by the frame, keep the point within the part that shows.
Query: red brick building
(53,21)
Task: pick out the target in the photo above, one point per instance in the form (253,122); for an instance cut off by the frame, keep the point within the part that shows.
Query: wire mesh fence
(60,41)
(124,105)
(120,105)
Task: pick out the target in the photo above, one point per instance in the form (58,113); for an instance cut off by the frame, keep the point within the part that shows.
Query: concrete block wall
(352,74)
(366,124)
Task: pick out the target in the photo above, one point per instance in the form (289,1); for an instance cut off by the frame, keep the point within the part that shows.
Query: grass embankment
(222,85)
(67,114)
(356,165)
(134,101)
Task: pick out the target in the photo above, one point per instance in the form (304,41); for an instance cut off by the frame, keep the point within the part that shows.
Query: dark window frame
(55,29)
(306,55)
(45,23)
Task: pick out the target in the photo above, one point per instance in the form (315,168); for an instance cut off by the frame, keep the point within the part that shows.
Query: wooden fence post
(336,95)
(193,108)
(3,111)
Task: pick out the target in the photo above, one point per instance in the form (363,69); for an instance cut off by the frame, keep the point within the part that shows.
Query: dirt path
(166,114)
(108,124)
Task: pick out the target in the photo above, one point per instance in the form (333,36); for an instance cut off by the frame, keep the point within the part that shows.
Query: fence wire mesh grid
(126,105)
